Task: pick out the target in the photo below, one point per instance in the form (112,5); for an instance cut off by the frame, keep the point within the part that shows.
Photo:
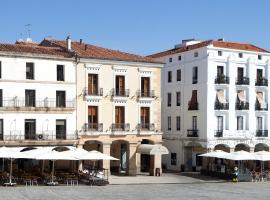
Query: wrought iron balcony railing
(258,107)
(192,133)
(93,127)
(218,133)
(120,127)
(146,93)
(242,106)
(120,92)
(146,127)
(222,79)
(262,133)
(261,82)
(242,81)
(221,106)
(95,92)
(193,106)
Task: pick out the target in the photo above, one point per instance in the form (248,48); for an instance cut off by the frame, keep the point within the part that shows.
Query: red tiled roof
(220,44)
(34,48)
(91,51)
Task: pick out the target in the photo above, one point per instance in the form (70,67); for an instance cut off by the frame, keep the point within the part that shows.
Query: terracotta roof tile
(95,52)
(220,44)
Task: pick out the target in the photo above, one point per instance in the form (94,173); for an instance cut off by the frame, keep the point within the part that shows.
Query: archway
(222,147)
(119,149)
(242,147)
(261,147)
(146,161)
(192,150)
(91,145)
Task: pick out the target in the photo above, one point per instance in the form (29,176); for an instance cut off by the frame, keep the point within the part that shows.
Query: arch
(223,147)
(147,141)
(90,145)
(193,144)
(242,147)
(261,147)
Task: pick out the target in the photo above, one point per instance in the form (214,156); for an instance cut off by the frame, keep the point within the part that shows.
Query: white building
(37,95)
(215,96)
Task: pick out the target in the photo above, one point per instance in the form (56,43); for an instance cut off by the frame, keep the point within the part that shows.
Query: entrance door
(145,163)
(123,157)
(60,129)
(30,129)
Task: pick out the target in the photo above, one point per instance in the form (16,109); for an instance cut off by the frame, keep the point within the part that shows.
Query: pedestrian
(235,174)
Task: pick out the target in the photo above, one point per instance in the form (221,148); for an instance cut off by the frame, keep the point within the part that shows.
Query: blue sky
(137,26)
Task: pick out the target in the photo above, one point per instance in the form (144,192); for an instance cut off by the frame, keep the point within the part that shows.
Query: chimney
(80,41)
(68,43)
(221,39)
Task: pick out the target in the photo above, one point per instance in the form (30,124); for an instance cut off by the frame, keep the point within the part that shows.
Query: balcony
(146,94)
(261,82)
(116,92)
(91,127)
(97,92)
(45,104)
(222,79)
(193,106)
(242,106)
(218,133)
(242,81)
(258,107)
(194,80)
(120,127)
(146,127)
(221,106)
(262,133)
(45,135)
(192,133)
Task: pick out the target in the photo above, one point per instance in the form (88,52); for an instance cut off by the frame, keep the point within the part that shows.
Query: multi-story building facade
(118,105)
(37,95)
(214,96)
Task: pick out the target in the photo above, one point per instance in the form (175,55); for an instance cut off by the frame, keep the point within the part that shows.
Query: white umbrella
(215,154)
(53,156)
(239,155)
(262,156)
(94,155)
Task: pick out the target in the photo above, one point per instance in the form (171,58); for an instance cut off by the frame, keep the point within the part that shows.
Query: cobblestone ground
(202,190)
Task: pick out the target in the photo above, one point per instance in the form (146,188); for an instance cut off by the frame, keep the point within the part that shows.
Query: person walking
(235,174)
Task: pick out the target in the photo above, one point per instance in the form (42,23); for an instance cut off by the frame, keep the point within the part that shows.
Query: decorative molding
(93,68)
(144,72)
(119,70)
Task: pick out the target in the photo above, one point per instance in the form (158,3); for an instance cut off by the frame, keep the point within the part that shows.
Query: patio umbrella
(94,155)
(53,156)
(215,154)
(262,156)
(239,155)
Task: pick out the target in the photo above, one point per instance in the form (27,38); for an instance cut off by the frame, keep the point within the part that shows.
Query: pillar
(106,149)
(157,165)
(80,166)
(132,167)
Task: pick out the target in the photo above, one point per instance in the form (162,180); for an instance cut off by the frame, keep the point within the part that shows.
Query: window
(169,76)
(178,98)
(219,123)
(145,86)
(240,55)
(220,71)
(92,117)
(169,123)
(120,86)
(259,123)
(240,123)
(92,84)
(1,129)
(30,129)
(173,159)
(60,129)
(194,122)
(30,71)
(178,75)
(60,73)
(60,99)
(170,59)
(240,73)
(179,58)
(196,54)
(178,120)
(145,117)
(30,98)
(169,99)
(0,69)
(219,53)
(259,57)
(194,75)
(1,97)
(120,117)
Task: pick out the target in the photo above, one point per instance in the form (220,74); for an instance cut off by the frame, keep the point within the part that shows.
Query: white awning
(152,149)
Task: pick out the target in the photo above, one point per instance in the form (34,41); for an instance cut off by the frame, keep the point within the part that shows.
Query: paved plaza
(185,188)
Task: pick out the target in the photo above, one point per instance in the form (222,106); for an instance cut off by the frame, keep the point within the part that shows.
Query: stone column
(80,167)
(132,167)
(106,149)
(157,164)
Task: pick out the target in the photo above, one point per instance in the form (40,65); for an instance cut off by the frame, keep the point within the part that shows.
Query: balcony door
(119,117)
(1,97)
(259,74)
(240,73)
(220,71)
(30,129)
(194,123)
(92,84)
(220,124)
(145,117)
(30,98)
(1,129)
(259,123)
(60,129)
(120,85)
(60,99)
(92,117)
(145,86)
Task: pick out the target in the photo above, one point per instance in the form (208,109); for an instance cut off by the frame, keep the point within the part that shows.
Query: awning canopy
(152,149)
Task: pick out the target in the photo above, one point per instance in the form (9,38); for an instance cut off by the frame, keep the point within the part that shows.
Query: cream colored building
(118,106)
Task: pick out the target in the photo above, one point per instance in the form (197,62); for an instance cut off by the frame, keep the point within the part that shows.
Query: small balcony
(193,106)
(222,79)
(146,127)
(261,82)
(221,106)
(146,94)
(120,127)
(192,133)
(242,81)
(258,107)
(97,92)
(194,80)
(91,127)
(218,133)
(262,133)
(116,92)
(242,106)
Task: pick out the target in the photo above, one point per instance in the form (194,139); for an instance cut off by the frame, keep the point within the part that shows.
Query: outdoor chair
(253,176)
(27,182)
(257,176)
